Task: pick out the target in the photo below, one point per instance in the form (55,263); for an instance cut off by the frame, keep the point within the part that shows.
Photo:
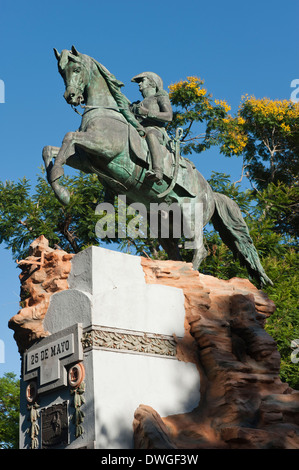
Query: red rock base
(243,402)
(38,283)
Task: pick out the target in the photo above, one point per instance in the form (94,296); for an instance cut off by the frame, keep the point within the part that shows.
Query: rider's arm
(165,114)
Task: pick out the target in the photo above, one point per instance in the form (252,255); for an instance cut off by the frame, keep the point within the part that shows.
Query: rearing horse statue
(108,144)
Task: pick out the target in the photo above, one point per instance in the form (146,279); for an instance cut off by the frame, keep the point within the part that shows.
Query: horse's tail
(228,221)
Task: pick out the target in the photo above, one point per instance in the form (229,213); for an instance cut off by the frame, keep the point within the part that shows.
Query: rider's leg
(156,154)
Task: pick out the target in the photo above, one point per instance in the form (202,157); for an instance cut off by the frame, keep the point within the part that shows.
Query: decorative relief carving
(54,426)
(34,414)
(141,343)
(79,415)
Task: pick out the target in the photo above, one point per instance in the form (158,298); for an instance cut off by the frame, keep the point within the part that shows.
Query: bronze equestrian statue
(127,146)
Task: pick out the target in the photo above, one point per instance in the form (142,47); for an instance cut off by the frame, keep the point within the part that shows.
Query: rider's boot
(155,175)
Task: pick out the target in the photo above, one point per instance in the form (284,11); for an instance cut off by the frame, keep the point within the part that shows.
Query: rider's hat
(152,76)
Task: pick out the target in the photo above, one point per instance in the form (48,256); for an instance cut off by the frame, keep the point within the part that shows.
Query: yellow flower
(223,104)
(200,91)
(192,83)
(285,127)
(176,86)
(277,109)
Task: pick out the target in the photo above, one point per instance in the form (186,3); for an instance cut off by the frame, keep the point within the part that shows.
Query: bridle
(76,87)
(86,107)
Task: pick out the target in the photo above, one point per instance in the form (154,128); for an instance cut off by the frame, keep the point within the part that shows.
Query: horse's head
(75,71)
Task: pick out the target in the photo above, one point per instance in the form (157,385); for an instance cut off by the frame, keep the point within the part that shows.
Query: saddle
(186,178)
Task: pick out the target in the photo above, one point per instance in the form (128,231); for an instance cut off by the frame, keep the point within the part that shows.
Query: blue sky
(237,47)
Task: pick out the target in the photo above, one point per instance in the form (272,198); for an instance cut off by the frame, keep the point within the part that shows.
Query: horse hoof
(61,193)
(47,155)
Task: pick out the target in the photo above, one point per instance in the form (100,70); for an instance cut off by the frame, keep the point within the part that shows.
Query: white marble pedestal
(124,335)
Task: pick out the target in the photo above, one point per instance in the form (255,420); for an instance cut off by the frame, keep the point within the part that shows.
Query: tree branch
(69,236)
(25,225)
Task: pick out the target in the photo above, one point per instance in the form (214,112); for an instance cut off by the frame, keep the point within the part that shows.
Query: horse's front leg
(64,152)
(89,142)
(49,152)
(55,171)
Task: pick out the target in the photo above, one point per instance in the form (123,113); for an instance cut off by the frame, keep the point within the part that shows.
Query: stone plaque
(54,426)
(47,359)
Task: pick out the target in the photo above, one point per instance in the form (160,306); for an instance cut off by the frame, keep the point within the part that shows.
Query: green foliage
(265,132)
(271,127)
(27,213)
(9,411)
(279,256)
(283,325)
(280,202)
(197,113)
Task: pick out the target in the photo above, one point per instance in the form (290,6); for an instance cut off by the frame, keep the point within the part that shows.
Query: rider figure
(153,113)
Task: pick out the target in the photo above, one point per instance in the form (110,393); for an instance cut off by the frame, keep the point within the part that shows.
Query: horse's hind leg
(198,256)
(170,245)
(193,231)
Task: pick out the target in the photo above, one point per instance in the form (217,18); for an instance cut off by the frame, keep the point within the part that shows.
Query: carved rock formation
(243,402)
(38,283)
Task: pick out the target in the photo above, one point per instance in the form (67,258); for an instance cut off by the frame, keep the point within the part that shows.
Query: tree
(265,133)
(280,259)
(272,150)
(200,116)
(271,155)
(9,411)
(26,213)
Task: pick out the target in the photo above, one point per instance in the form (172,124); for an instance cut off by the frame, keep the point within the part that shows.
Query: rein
(118,110)
(92,107)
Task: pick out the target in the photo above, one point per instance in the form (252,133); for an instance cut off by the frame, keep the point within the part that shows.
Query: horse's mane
(114,86)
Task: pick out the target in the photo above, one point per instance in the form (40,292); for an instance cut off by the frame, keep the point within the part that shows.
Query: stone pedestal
(112,346)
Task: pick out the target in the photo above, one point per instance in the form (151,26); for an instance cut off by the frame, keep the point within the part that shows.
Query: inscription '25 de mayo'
(58,349)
